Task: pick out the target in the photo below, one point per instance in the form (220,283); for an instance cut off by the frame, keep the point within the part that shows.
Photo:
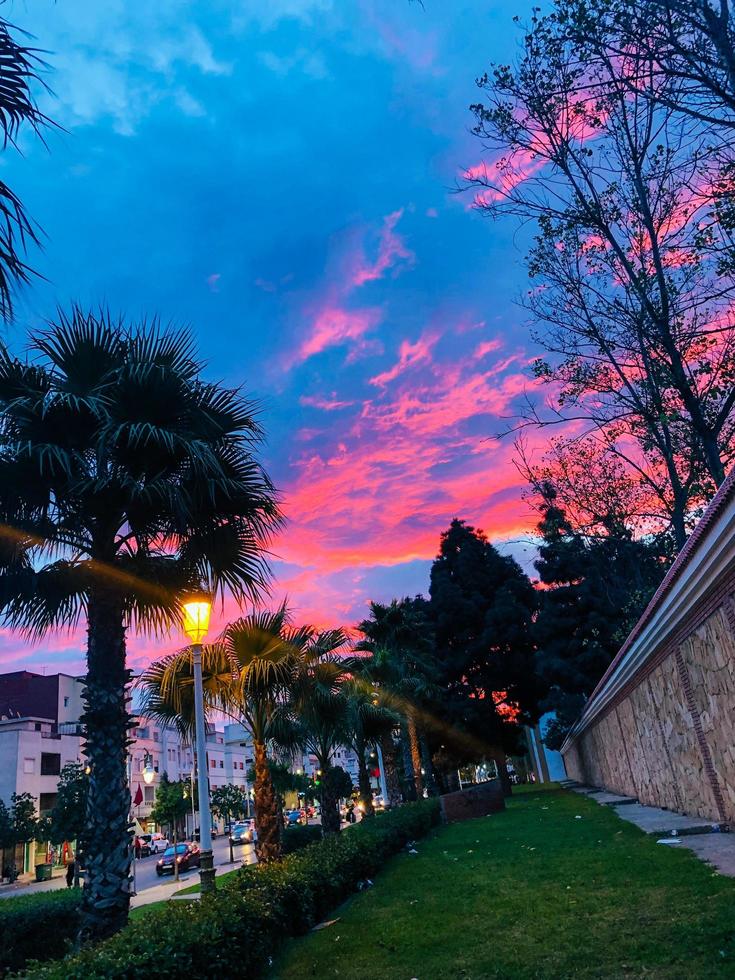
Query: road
(145,874)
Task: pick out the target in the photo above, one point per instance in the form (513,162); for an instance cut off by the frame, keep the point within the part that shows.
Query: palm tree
(398,636)
(125,481)
(319,703)
(19,69)
(248,673)
(367,722)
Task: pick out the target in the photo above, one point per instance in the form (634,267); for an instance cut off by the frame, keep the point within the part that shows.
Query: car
(292,817)
(242,832)
(185,855)
(152,844)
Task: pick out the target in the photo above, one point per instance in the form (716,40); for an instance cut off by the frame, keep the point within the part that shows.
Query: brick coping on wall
(699,545)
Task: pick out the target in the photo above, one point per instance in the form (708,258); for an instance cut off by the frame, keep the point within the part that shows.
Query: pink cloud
(335,326)
(329,404)
(213,281)
(409,355)
(391,250)
(485,348)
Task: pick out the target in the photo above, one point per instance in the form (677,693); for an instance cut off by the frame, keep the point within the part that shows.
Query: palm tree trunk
(409,786)
(268,844)
(390,768)
(428,765)
(413,738)
(107,885)
(329,803)
(363,777)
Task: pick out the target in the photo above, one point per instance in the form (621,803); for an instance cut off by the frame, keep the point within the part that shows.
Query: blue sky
(284,181)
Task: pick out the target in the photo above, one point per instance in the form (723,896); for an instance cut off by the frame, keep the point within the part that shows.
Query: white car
(153,844)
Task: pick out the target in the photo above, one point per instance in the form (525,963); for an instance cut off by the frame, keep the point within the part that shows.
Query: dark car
(241,833)
(185,855)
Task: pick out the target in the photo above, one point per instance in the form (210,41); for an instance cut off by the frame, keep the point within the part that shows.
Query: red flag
(138,796)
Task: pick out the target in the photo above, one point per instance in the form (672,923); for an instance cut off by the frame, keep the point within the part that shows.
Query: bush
(36,926)
(236,931)
(294,838)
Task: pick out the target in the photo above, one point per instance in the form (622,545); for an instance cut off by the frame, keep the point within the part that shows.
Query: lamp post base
(207,871)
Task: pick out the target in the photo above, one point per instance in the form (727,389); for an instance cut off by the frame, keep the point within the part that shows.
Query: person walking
(70,871)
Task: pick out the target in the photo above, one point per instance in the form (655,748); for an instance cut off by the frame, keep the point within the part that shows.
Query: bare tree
(629,297)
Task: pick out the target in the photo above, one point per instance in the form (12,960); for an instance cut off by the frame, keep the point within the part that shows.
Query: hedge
(294,838)
(236,931)
(37,926)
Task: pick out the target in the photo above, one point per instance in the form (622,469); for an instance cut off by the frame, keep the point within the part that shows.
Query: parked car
(242,833)
(292,817)
(152,844)
(186,855)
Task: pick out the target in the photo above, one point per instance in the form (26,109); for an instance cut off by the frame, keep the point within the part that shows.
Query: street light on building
(196,611)
(149,772)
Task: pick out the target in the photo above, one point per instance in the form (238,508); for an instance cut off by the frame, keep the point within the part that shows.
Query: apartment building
(40,731)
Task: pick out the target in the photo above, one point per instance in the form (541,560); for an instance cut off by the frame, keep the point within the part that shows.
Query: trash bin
(43,872)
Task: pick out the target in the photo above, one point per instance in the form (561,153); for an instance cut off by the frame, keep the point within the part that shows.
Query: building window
(46,803)
(149,794)
(66,702)
(221,764)
(29,766)
(50,763)
(213,763)
(155,735)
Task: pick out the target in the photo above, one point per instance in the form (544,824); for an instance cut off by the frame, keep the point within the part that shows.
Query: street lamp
(196,623)
(149,773)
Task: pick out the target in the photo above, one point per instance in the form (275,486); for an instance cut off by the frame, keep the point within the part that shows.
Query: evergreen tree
(594,590)
(68,814)
(482,606)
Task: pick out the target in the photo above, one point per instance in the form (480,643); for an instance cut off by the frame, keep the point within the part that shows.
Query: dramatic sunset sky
(281,175)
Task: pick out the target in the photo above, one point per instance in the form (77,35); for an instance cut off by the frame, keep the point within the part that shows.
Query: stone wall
(669,738)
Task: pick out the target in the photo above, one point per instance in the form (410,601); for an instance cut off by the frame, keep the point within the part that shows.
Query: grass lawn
(532,892)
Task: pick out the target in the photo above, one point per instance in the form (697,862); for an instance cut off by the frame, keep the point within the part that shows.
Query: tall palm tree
(20,69)
(398,636)
(248,673)
(367,722)
(125,481)
(319,703)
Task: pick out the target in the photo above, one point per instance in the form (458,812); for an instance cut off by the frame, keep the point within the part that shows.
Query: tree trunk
(363,776)
(499,756)
(428,765)
(409,786)
(390,768)
(329,804)
(413,739)
(268,845)
(108,840)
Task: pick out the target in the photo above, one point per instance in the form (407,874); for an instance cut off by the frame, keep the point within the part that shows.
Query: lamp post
(196,623)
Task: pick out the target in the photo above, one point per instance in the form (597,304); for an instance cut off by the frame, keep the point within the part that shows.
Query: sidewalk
(31,886)
(711,842)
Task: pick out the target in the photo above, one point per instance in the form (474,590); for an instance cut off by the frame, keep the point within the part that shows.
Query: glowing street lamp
(196,611)
(149,773)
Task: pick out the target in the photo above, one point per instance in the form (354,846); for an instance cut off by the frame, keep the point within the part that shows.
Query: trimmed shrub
(235,932)
(294,838)
(37,926)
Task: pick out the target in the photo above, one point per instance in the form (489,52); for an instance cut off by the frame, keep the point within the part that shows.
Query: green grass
(531,893)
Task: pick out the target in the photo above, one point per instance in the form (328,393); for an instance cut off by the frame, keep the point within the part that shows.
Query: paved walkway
(709,841)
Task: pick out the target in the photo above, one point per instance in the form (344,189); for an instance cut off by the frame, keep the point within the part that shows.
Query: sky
(283,178)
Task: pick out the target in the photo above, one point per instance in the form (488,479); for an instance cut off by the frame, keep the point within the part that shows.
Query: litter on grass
(323,925)
(669,840)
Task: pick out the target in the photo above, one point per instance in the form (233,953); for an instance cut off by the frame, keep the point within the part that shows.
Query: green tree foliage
(69,812)
(482,606)
(228,802)
(594,591)
(172,804)
(248,674)
(338,782)
(127,480)
(399,635)
(18,113)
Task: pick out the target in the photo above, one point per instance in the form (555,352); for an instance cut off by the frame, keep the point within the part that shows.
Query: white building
(40,731)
